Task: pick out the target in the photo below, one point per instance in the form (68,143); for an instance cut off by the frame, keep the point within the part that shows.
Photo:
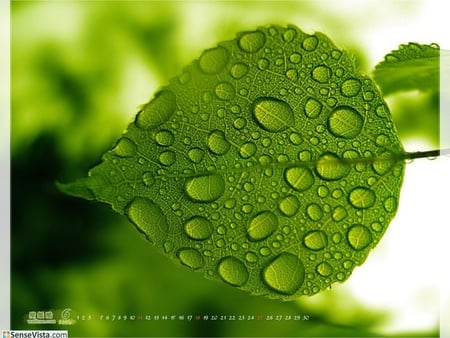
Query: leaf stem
(425,154)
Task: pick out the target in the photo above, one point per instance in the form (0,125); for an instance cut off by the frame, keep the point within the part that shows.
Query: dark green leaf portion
(412,66)
(268,164)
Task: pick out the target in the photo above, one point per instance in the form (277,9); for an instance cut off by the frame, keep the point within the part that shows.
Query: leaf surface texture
(268,164)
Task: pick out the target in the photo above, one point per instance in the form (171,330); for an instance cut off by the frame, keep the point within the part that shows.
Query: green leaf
(412,66)
(270,164)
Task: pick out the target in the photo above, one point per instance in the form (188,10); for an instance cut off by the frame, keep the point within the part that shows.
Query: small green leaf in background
(269,163)
(412,66)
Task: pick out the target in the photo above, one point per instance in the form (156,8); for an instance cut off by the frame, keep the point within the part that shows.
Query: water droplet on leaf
(359,237)
(233,271)
(247,150)
(330,167)
(289,205)
(218,143)
(310,43)
(339,213)
(213,60)
(289,35)
(191,258)
(345,122)
(251,42)
(157,111)
(314,212)
(324,269)
(285,274)
(148,178)
(239,70)
(224,91)
(362,198)
(351,87)
(124,148)
(196,155)
(390,204)
(148,218)
(313,108)
(272,114)
(167,158)
(315,240)
(198,228)
(205,188)
(299,178)
(262,226)
(164,138)
(321,74)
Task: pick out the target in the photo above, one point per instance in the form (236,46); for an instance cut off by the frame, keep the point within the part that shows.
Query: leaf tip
(78,188)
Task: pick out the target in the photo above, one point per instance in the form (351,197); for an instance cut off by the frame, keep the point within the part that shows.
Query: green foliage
(412,66)
(270,164)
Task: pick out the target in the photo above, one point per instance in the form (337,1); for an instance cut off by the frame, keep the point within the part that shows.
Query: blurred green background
(79,72)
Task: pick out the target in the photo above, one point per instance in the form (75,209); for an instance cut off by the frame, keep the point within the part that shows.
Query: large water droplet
(157,111)
(289,35)
(321,74)
(198,228)
(148,218)
(390,204)
(315,240)
(252,42)
(295,138)
(289,205)
(239,70)
(330,167)
(196,155)
(314,212)
(218,143)
(383,164)
(345,122)
(148,178)
(313,108)
(263,63)
(272,114)
(233,271)
(265,251)
(247,150)
(359,237)
(324,269)
(191,258)
(323,191)
(205,188)
(167,158)
(213,60)
(339,213)
(295,58)
(239,123)
(351,87)
(285,274)
(310,43)
(347,264)
(164,138)
(224,91)
(299,178)
(262,225)
(251,257)
(124,147)
(362,198)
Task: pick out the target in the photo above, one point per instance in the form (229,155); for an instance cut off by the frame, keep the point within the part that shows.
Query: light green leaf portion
(412,66)
(268,164)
